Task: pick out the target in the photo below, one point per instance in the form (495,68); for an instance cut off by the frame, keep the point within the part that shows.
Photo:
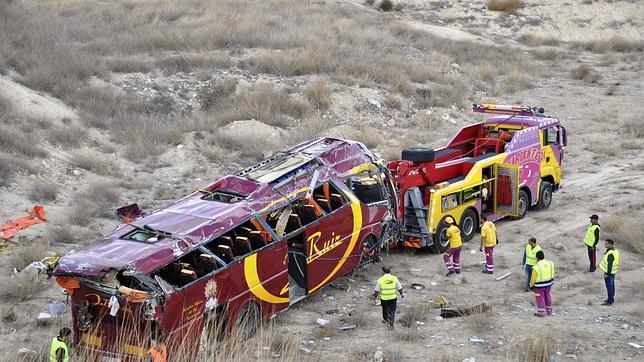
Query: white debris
(379,356)
(504,276)
(322,322)
(438,319)
(634,345)
(374,102)
(58,308)
(624,326)
(44,317)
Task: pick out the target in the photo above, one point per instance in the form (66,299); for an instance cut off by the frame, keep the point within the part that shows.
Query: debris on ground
(8,315)
(43,318)
(632,344)
(417,286)
(26,354)
(58,308)
(347,327)
(477,339)
(11,228)
(332,311)
(463,311)
(322,322)
(440,302)
(129,213)
(504,276)
(379,356)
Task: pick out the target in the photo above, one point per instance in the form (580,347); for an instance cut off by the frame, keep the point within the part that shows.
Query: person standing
(455,244)
(59,352)
(529,260)
(386,288)
(610,265)
(158,352)
(543,276)
(488,241)
(591,239)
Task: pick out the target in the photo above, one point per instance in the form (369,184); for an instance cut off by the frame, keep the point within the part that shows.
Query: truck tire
(441,243)
(418,154)
(545,195)
(248,320)
(468,224)
(524,202)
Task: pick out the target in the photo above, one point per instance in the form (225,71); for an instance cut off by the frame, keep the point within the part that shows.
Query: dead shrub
(29,252)
(290,62)
(94,162)
(539,348)
(626,230)
(416,312)
(613,44)
(10,166)
(318,93)
(393,101)
(386,5)
(192,61)
(61,234)
(43,191)
(130,65)
(535,40)
(19,144)
(99,199)
(19,286)
(441,96)
(480,322)
(329,330)
(67,136)
(547,54)
(312,128)
(585,73)
(369,136)
(634,128)
(508,6)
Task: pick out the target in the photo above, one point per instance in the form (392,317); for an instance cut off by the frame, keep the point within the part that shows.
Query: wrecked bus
(241,249)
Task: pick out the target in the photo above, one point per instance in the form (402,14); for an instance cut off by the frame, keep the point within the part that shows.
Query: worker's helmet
(449,220)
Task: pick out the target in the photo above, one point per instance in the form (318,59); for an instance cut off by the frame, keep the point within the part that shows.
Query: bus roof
(193,220)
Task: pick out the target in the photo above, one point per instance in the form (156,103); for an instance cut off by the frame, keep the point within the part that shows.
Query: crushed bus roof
(195,219)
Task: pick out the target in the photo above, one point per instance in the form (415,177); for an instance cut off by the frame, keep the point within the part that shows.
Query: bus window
(367,188)
(188,268)
(329,197)
(450,202)
(240,241)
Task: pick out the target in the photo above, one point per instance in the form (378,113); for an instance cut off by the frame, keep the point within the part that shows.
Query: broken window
(143,235)
(328,197)
(221,196)
(188,268)
(240,241)
(450,202)
(367,188)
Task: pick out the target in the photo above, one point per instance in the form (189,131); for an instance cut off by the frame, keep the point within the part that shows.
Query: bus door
(506,189)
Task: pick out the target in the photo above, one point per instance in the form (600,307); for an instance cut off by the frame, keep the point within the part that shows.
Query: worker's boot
(449,273)
(486,272)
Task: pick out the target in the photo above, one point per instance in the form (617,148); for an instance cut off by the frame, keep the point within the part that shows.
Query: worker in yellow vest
(386,288)
(488,241)
(543,276)
(610,265)
(59,352)
(591,239)
(529,260)
(158,352)
(455,244)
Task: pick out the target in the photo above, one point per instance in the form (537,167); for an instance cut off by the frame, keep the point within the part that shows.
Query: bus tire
(545,195)
(468,224)
(248,320)
(524,202)
(418,154)
(441,243)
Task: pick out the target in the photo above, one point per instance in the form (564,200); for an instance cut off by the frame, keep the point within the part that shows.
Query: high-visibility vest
(489,231)
(589,239)
(545,273)
(55,345)
(531,254)
(454,236)
(159,356)
(604,264)
(388,288)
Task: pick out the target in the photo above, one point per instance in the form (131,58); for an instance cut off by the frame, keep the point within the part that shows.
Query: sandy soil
(593,183)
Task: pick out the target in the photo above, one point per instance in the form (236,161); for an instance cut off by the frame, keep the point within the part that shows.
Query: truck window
(367,188)
(550,136)
(471,193)
(450,202)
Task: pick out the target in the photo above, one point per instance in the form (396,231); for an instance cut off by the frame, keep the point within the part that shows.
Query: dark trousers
(388,310)
(592,256)
(609,280)
(528,275)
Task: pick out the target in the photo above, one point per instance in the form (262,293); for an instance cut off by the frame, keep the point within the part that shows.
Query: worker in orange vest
(158,352)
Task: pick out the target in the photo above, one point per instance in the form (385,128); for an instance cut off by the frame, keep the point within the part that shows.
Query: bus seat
(308,214)
(225,240)
(188,275)
(207,259)
(293,223)
(336,201)
(244,231)
(225,253)
(242,246)
(257,240)
(324,204)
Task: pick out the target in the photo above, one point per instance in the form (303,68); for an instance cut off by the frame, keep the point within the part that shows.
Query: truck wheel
(545,195)
(418,155)
(441,243)
(468,224)
(524,202)
(248,320)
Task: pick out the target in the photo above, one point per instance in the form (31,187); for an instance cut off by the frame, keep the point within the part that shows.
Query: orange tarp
(36,216)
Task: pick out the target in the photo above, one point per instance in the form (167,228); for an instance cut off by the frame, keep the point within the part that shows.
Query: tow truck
(499,167)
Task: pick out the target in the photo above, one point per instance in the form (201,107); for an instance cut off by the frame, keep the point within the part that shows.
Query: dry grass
(547,54)
(18,144)
(21,286)
(615,43)
(292,62)
(99,199)
(480,322)
(61,234)
(386,5)
(318,93)
(67,136)
(311,128)
(394,101)
(29,252)
(11,166)
(539,348)
(508,6)
(98,163)
(535,40)
(585,73)
(633,127)
(626,230)
(416,312)
(43,191)
(216,93)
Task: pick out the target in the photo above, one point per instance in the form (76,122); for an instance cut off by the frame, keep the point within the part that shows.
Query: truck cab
(499,167)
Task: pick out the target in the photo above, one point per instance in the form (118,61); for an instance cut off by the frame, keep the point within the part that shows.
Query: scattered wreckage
(236,251)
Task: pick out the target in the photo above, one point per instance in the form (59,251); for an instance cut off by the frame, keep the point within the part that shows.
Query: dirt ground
(602,174)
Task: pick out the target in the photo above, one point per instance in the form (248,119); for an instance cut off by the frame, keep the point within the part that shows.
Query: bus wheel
(441,243)
(468,224)
(523,204)
(545,195)
(248,320)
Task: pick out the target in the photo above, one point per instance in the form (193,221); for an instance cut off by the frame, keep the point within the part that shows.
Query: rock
(379,355)
(179,147)
(8,315)
(438,319)
(331,311)
(76,172)
(374,102)
(624,326)
(391,123)
(560,246)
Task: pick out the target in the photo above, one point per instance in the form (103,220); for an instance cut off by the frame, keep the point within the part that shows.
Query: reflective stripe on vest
(388,285)
(604,264)
(55,345)
(159,356)
(545,273)
(531,254)
(589,239)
